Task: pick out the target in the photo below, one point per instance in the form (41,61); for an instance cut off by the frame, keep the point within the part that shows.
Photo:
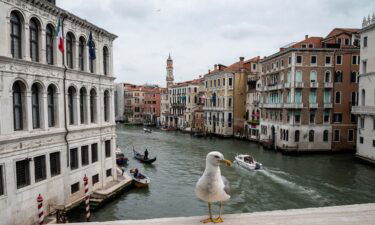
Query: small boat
(248,162)
(140,180)
(142,159)
(147,130)
(164,128)
(121,160)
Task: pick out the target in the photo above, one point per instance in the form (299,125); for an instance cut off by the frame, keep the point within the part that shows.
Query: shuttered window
(73,158)
(1,181)
(108,148)
(85,155)
(23,173)
(55,163)
(94,153)
(40,168)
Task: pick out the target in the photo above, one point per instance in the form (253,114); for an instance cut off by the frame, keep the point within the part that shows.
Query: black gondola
(142,159)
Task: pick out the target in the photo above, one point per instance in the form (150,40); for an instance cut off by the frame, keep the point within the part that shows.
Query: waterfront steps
(361,214)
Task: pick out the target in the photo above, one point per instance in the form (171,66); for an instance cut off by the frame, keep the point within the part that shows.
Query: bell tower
(170,77)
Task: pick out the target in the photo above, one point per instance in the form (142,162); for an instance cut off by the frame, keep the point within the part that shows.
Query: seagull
(211,186)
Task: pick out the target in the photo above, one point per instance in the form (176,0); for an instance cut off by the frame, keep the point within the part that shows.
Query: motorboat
(147,130)
(121,160)
(139,180)
(142,158)
(248,162)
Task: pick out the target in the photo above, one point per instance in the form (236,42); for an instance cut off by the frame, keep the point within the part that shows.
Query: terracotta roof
(185,83)
(316,41)
(338,31)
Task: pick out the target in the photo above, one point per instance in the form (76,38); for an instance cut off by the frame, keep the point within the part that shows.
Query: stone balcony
(299,85)
(328,85)
(287,85)
(313,105)
(364,110)
(293,105)
(314,85)
(272,105)
(328,105)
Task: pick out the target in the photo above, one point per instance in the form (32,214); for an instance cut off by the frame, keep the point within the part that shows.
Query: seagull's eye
(217,157)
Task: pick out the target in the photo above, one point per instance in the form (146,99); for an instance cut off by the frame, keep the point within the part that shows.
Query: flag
(59,34)
(91,45)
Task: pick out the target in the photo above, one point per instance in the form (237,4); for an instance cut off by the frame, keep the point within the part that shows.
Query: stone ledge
(361,214)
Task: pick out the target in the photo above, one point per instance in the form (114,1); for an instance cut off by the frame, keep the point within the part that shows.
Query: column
(42,46)
(26,43)
(28,115)
(44,111)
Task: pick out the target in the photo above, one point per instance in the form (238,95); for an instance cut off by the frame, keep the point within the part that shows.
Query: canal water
(286,182)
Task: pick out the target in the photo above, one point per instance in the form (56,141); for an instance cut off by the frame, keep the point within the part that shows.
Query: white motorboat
(147,130)
(248,162)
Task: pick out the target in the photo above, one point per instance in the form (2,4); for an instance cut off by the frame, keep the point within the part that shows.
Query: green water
(286,182)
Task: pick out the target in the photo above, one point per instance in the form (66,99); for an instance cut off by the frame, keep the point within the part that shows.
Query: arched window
(18,106)
(51,103)
(71,102)
(327,77)
(81,53)
(338,97)
(313,76)
(325,135)
(311,136)
(338,77)
(15,35)
(92,61)
(69,50)
(35,104)
(296,136)
(34,40)
(105,60)
(106,106)
(287,135)
(363,97)
(93,106)
(49,43)
(82,105)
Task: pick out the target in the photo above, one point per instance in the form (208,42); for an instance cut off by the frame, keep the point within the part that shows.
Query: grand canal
(286,181)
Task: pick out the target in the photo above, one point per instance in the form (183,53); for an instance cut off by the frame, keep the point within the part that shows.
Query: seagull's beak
(227,162)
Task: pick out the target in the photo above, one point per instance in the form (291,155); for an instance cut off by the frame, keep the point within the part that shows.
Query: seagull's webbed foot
(208,220)
(218,220)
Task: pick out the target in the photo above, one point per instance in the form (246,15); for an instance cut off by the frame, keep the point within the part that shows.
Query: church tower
(170,77)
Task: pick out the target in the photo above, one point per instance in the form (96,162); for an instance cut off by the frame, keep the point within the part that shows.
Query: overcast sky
(201,33)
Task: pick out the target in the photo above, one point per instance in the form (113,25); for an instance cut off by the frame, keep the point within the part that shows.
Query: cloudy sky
(201,33)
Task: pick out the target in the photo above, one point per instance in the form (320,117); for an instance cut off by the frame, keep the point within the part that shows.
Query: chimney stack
(242,58)
(215,66)
(306,37)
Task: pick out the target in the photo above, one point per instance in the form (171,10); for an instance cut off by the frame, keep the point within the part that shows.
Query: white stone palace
(57,120)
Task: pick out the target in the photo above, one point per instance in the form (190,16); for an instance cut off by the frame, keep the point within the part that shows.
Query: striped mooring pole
(40,209)
(87,200)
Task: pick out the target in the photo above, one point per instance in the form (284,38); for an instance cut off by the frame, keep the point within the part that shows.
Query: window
(73,158)
(51,105)
(82,105)
(299,59)
(35,102)
(355,59)
(296,136)
(313,76)
(325,136)
(23,173)
(230,81)
(353,98)
(312,116)
(18,104)
(327,97)
(336,135)
(362,123)
(92,59)
(94,152)
(69,50)
(365,41)
(54,159)
(350,135)
(338,59)
(311,136)
(229,119)
(81,53)
(312,97)
(297,117)
(85,155)
(313,60)
(338,97)
(328,60)
(230,102)
(34,40)
(353,118)
(353,77)
(223,81)
(50,37)
(71,101)
(108,148)
(289,60)
(106,106)
(338,77)
(93,106)
(74,188)
(326,117)
(95,179)
(108,172)
(298,76)
(373,123)
(337,117)
(15,35)
(40,168)
(361,140)
(363,97)
(105,60)
(1,181)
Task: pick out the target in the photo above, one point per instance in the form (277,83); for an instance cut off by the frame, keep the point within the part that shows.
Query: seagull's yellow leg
(219,219)
(209,220)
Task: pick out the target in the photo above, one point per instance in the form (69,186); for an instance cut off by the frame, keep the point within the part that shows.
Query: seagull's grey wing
(226,185)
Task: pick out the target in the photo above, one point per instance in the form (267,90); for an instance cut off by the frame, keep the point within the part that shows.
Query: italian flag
(60,35)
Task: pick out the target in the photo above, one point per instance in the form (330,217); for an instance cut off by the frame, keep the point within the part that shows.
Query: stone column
(28,115)
(44,111)
(75,54)
(26,43)
(87,107)
(42,46)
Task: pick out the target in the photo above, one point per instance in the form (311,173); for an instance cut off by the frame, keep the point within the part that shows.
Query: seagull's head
(216,158)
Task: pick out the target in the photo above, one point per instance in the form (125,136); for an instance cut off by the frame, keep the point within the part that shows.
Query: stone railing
(368,21)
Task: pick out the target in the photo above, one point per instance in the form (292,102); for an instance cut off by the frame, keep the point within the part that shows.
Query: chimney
(215,66)
(209,71)
(306,37)
(242,58)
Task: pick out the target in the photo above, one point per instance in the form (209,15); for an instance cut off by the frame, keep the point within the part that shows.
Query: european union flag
(91,45)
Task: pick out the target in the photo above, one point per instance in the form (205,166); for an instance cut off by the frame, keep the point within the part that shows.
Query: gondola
(142,159)
(121,160)
(141,180)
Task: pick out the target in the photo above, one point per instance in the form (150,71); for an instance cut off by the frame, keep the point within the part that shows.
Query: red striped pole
(40,209)
(87,201)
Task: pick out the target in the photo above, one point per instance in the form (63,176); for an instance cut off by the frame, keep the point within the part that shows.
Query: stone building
(164,102)
(57,119)
(366,107)
(307,94)
(164,107)
(152,106)
(119,96)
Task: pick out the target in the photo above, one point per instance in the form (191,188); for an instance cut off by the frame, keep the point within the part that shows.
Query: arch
(17,22)
(70,39)
(50,43)
(82,104)
(327,76)
(338,76)
(363,97)
(296,135)
(93,105)
(19,103)
(34,38)
(81,53)
(105,60)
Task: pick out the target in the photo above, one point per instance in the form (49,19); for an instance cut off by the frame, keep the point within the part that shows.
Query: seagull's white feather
(211,187)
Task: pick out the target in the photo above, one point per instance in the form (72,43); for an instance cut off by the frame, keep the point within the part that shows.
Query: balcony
(287,85)
(328,85)
(314,85)
(313,105)
(272,105)
(328,105)
(299,85)
(364,110)
(293,105)
(253,122)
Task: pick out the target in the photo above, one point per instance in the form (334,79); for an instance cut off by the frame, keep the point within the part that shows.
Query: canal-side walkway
(361,214)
